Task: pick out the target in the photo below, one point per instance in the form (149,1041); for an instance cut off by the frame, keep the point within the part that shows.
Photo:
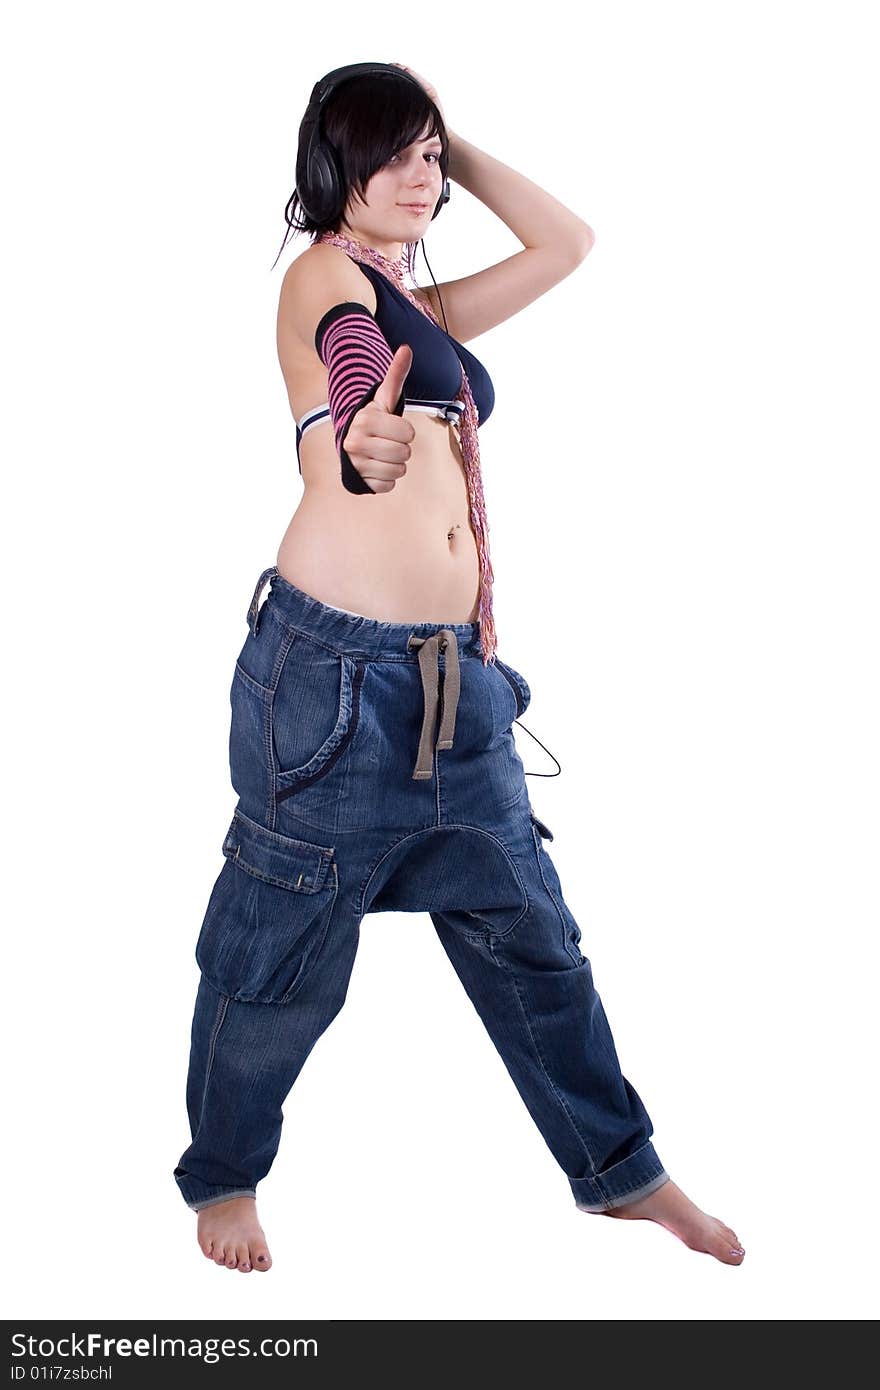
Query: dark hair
(367,120)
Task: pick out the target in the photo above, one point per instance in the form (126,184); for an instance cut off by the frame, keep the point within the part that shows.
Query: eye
(431,154)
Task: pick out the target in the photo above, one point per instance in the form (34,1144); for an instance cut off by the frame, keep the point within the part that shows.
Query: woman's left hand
(431,91)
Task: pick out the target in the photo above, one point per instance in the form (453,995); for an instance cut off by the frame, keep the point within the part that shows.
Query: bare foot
(230,1234)
(669,1207)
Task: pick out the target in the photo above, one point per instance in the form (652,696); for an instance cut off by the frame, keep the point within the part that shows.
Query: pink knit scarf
(468,435)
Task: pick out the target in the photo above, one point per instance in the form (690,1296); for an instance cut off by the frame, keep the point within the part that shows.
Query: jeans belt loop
(252,613)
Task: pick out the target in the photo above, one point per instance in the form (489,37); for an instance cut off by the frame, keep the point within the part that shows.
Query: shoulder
(323,275)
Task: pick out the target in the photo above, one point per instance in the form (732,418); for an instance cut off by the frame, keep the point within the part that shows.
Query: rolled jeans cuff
(196,1203)
(627,1181)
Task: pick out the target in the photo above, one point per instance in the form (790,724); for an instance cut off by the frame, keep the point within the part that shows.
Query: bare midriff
(404,556)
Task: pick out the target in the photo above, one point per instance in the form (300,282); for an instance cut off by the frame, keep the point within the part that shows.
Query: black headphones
(320,185)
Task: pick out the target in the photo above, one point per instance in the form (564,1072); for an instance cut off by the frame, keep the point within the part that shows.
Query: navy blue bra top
(434,378)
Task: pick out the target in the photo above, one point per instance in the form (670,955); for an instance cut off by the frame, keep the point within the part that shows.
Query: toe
(207,1247)
(262,1258)
(727,1248)
(734,1251)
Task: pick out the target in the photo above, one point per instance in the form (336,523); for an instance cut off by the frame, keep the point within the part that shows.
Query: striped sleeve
(357,355)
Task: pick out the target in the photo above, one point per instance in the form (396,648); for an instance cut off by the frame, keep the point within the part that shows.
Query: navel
(450,534)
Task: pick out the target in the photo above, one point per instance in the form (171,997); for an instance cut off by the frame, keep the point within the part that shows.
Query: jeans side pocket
(314,710)
(519,685)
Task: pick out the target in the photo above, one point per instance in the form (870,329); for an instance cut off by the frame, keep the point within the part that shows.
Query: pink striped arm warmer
(356,354)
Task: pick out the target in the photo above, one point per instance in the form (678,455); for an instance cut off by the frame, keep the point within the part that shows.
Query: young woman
(378,628)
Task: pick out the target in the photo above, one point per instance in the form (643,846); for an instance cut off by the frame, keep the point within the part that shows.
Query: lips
(415,207)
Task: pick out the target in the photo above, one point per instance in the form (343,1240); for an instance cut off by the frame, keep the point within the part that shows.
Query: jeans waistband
(355,635)
(350,633)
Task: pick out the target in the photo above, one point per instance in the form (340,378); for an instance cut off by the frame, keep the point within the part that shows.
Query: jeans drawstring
(445,640)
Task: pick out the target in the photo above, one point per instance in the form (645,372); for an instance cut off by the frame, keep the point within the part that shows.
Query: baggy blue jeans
(351,801)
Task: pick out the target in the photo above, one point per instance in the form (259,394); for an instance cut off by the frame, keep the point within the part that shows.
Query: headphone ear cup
(324,185)
(323,189)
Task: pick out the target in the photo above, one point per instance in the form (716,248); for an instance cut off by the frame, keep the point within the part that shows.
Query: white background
(681,477)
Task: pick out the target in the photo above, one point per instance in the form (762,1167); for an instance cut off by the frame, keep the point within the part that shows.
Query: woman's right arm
(324,296)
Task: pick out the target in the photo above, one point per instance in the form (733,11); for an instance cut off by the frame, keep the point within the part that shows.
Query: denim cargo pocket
(571,932)
(519,686)
(314,711)
(268,914)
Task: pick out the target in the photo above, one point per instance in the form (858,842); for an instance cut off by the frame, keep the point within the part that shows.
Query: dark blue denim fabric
(330,824)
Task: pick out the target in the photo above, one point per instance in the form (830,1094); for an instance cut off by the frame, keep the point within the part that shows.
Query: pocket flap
(278,859)
(541,827)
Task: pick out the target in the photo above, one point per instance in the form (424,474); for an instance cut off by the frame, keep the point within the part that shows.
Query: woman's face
(413,176)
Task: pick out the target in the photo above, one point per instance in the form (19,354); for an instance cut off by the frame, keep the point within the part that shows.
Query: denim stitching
(518,697)
(264,695)
(637,1187)
(346,681)
(640,1186)
(201,1203)
(622,1161)
(540,1056)
(357,655)
(513,756)
(222,1006)
(261,690)
(283,839)
(345,739)
(306,969)
(299,634)
(281,655)
(536,820)
(464,629)
(432,829)
(580,958)
(254,615)
(309,889)
(284,647)
(610,1199)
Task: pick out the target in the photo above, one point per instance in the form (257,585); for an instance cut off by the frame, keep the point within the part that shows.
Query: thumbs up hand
(378,441)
